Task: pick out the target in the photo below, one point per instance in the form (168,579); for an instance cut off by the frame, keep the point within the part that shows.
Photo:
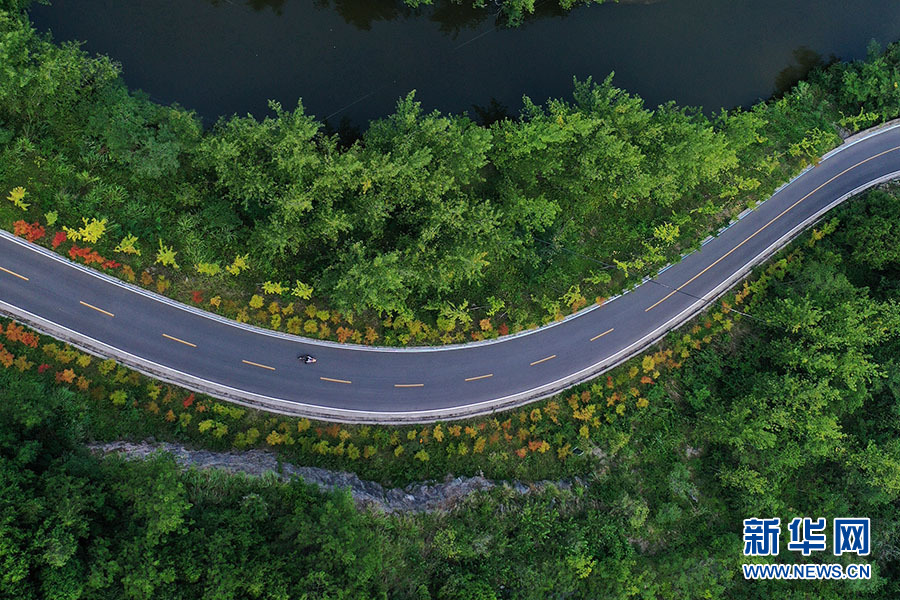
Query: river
(352,59)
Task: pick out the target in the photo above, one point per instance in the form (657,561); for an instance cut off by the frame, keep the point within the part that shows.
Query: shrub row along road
(351,383)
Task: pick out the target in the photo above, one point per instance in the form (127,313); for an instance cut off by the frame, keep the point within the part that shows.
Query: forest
(791,412)
(432,220)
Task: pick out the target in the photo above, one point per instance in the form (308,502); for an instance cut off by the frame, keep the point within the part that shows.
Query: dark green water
(354,58)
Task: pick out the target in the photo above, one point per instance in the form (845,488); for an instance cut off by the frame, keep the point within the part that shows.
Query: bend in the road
(243,364)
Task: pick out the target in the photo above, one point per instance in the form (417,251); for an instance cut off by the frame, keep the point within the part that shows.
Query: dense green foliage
(73,526)
(793,414)
(525,218)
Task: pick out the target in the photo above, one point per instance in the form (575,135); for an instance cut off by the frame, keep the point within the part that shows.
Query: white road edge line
(527,395)
(317,411)
(879,130)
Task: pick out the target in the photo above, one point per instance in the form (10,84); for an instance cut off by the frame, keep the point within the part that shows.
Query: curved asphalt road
(353,383)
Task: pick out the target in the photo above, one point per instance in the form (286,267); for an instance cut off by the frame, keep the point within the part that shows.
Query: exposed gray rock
(416,497)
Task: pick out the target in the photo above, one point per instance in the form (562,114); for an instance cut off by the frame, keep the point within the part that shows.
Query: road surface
(351,383)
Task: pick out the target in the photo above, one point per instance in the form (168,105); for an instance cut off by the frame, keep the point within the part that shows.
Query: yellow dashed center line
(105,312)
(480,377)
(597,337)
(755,233)
(334,380)
(248,362)
(14,274)
(537,362)
(180,341)
(408,385)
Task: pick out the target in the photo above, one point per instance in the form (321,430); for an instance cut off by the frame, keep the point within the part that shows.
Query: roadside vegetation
(792,412)
(429,229)
(557,438)
(552,439)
